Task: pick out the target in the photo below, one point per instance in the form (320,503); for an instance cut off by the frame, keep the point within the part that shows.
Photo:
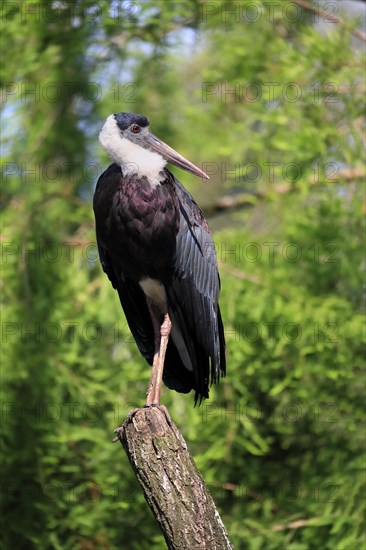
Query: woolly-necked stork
(156,248)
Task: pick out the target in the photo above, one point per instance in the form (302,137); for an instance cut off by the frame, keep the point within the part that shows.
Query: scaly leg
(164,333)
(155,366)
(156,316)
(152,381)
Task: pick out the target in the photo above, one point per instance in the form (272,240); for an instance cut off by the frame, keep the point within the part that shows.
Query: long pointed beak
(172,156)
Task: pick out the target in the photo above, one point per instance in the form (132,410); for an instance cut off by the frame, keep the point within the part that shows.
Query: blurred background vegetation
(268,97)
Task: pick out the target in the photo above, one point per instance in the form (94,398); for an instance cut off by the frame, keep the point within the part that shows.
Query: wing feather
(193,295)
(134,305)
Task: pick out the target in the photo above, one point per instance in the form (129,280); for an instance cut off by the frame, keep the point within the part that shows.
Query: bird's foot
(166,326)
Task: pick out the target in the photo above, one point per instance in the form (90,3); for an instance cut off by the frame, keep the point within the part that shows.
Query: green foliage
(280,440)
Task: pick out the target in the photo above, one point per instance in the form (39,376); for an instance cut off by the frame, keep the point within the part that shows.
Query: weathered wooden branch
(329,17)
(172,485)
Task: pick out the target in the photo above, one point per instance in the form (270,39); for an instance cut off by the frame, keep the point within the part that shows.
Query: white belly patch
(154,290)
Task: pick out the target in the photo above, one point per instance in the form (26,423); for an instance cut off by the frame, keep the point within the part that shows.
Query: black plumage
(158,232)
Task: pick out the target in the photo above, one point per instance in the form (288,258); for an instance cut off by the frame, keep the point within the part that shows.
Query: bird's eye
(135,129)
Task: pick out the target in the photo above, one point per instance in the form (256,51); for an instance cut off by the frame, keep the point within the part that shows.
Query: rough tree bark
(172,485)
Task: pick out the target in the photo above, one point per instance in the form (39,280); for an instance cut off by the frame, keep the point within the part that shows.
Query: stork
(156,247)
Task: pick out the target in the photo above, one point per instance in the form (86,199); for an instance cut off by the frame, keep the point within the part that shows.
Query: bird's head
(127,140)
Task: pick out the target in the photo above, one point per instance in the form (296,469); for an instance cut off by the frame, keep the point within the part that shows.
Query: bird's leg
(155,366)
(152,381)
(164,333)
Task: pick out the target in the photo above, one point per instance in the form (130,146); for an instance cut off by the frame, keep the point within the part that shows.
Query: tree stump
(172,485)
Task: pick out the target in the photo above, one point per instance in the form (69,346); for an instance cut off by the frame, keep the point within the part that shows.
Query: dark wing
(130,294)
(132,298)
(133,302)
(193,295)
(134,305)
